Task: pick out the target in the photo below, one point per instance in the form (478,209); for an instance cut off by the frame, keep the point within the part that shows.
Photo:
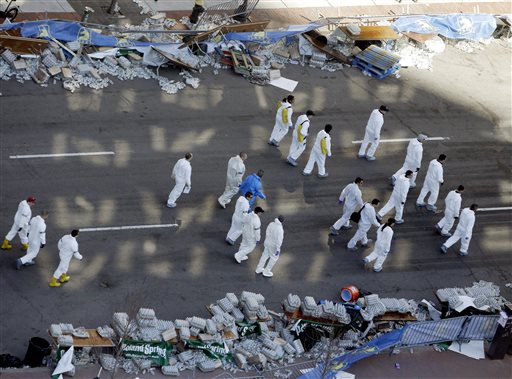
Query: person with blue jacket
(253,184)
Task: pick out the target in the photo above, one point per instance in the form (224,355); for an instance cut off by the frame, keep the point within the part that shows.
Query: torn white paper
(286,84)
(472,349)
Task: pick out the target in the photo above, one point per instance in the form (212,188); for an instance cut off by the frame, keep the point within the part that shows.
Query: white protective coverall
(382,247)
(68,248)
(464,230)
(21,220)
(251,234)
(181,173)
(372,134)
(234,176)
(367,220)
(398,196)
(321,148)
(36,238)
(432,182)
(352,198)
(299,136)
(412,160)
(451,210)
(274,236)
(237,221)
(283,122)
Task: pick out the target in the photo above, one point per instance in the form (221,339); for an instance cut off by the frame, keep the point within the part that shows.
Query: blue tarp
(341,363)
(455,26)
(68,31)
(267,38)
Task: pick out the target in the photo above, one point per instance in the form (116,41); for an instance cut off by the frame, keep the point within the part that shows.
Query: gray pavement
(467,98)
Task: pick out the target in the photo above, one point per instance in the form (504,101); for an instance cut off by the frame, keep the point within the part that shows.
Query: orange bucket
(349,293)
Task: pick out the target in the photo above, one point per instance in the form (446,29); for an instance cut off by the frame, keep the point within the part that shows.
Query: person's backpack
(356,216)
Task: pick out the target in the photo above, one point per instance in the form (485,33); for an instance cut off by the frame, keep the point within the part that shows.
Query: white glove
(78,256)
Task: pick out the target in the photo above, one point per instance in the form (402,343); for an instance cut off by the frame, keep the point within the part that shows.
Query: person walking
(20,224)
(242,208)
(274,236)
(253,184)
(351,198)
(372,133)
(181,173)
(412,159)
(452,204)
(283,121)
(36,240)
(463,232)
(251,234)
(299,137)
(68,248)
(397,198)
(368,218)
(433,180)
(321,149)
(235,173)
(382,245)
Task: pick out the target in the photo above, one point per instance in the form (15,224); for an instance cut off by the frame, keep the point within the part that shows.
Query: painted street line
(405,140)
(61,155)
(130,227)
(495,209)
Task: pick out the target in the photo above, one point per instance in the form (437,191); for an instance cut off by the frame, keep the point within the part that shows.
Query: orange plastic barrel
(349,293)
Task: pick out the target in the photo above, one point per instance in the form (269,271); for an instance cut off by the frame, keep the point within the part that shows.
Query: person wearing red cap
(20,225)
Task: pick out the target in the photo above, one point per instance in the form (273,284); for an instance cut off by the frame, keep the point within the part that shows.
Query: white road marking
(129,227)
(495,209)
(405,140)
(61,155)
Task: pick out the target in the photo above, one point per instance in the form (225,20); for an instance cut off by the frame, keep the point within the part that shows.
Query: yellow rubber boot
(64,278)
(6,245)
(54,282)
(24,246)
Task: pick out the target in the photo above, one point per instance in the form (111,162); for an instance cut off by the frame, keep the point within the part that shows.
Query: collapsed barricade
(242,335)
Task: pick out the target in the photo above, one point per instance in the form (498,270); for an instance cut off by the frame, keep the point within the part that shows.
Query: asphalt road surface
(176,271)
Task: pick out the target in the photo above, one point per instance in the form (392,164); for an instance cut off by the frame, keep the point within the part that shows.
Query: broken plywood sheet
(174,60)
(313,38)
(372,33)
(422,38)
(22,45)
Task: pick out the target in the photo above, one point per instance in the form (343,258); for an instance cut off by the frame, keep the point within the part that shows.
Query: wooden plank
(22,45)
(94,340)
(298,315)
(372,33)
(395,316)
(422,38)
(173,60)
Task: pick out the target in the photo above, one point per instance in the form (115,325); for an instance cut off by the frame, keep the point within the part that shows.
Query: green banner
(214,350)
(245,329)
(157,352)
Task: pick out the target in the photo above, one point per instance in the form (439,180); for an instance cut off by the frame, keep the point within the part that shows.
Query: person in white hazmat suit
(368,218)
(299,137)
(412,159)
(283,121)
(274,236)
(68,248)
(20,224)
(321,149)
(433,180)
(397,198)
(372,133)
(382,245)
(36,240)
(351,198)
(234,176)
(242,208)
(251,234)
(452,205)
(463,232)
(181,173)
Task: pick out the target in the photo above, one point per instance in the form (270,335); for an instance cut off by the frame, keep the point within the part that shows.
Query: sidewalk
(280,12)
